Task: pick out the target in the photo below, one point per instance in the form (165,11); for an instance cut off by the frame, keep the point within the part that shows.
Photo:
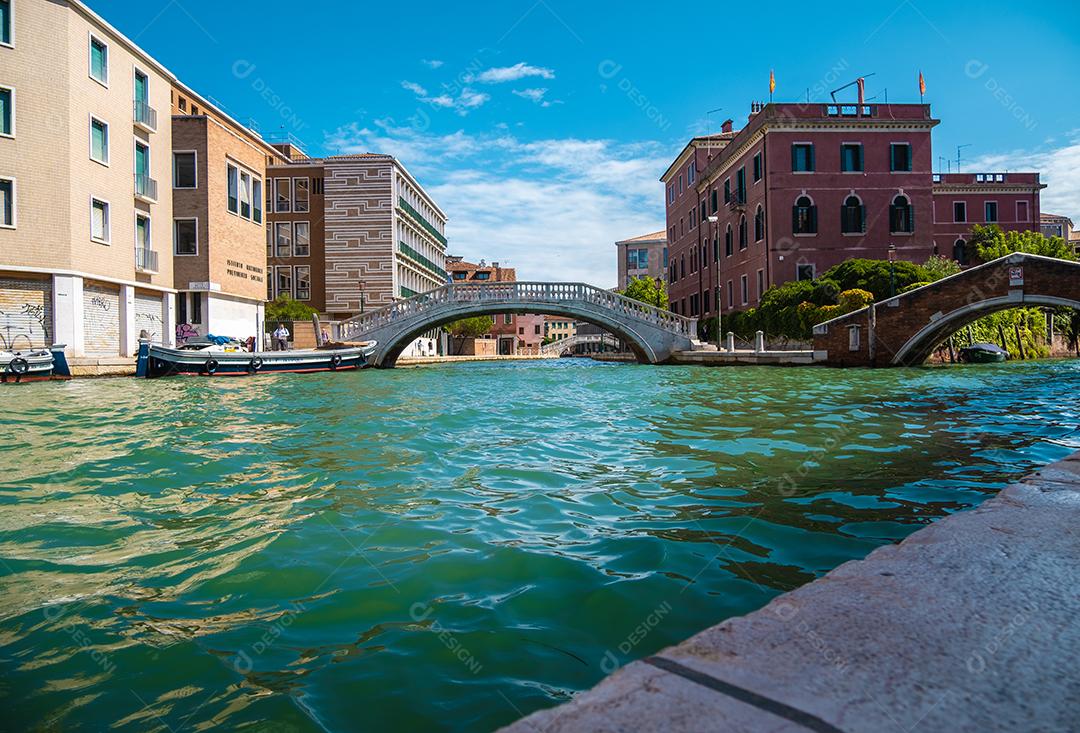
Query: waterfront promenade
(966,625)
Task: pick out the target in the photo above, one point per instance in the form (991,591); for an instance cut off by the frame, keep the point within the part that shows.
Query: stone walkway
(970,624)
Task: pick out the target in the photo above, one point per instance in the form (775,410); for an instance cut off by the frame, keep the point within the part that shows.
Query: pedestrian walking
(281,338)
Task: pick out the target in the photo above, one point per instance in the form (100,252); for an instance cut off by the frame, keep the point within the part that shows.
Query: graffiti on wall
(20,326)
(185,331)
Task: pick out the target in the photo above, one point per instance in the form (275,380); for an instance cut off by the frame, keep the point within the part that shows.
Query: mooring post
(731,342)
(759,342)
(1019,343)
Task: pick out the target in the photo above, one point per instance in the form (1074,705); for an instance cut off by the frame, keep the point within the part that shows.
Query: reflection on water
(447,549)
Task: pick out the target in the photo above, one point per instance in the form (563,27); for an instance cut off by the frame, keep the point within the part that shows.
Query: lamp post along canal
(892,270)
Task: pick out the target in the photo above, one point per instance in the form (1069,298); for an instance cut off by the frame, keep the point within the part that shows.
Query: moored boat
(983,354)
(34,365)
(209,359)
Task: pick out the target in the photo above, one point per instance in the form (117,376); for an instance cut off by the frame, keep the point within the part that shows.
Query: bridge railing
(557,347)
(516,294)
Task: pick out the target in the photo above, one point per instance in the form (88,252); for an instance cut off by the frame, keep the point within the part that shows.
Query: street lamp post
(892,270)
(361,297)
(659,284)
(713,219)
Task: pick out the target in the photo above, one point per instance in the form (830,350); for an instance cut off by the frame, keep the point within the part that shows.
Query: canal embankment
(967,624)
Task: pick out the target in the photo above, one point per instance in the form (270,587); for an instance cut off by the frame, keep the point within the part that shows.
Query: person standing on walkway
(281,338)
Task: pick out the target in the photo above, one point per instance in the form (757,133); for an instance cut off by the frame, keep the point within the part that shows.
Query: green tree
(990,242)
(647,290)
(285,308)
(875,276)
(468,328)
(938,267)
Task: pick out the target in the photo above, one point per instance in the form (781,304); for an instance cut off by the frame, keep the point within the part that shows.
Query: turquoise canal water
(450,548)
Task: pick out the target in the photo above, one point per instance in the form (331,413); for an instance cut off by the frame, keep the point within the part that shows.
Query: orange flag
(922,84)
(772,81)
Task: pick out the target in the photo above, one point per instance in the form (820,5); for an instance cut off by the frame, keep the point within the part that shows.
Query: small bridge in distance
(557,348)
(651,333)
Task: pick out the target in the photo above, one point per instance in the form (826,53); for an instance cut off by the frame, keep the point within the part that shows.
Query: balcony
(145,188)
(146,260)
(145,117)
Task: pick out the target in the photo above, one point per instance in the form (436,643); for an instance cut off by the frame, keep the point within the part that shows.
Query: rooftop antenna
(958,149)
(709,114)
(860,82)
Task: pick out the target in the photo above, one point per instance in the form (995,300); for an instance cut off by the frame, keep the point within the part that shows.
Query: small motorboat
(983,354)
(216,356)
(34,365)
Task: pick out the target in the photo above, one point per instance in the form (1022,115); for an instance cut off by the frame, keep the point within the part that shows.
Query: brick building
(803,187)
(512,333)
(218,227)
(643,256)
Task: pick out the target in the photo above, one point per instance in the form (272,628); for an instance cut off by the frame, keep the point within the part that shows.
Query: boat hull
(160,361)
(34,366)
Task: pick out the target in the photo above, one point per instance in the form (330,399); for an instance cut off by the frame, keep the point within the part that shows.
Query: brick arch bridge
(653,334)
(905,330)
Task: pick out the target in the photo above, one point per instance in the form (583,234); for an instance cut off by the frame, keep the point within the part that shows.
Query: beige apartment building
(85,204)
(218,222)
(644,256)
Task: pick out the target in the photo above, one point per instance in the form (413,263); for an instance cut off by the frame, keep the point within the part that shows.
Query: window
(901,216)
(705,302)
(959,251)
(5,22)
(804,216)
(714,206)
(303,283)
(508,319)
(759,224)
(959,212)
(730,295)
(7,202)
(186,237)
(99,141)
(181,307)
(804,272)
(740,186)
(233,192)
(852,216)
(691,172)
(99,221)
(1022,211)
(757,168)
(184,173)
(742,232)
(142,231)
(665,258)
(256,200)
(670,194)
(727,191)
(282,195)
(851,159)
(283,230)
(680,184)
(196,307)
(760,284)
(301,194)
(991,211)
(744,283)
(245,194)
(536,329)
(99,61)
(7,112)
(802,158)
(900,156)
(482,276)
(284,280)
(301,241)
(142,96)
(459,275)
(728,242)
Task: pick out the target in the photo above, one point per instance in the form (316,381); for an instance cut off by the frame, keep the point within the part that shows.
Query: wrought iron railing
(146,116)
(145,187)
(520,295)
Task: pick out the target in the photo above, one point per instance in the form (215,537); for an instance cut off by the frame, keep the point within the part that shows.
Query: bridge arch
(652,334)
(923,342)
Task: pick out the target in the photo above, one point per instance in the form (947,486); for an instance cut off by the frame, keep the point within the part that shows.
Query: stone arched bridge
(653,334)
(905,330)
(565,344)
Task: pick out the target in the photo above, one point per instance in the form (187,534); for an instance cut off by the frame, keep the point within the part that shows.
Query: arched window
(901,216)
(728,242)
(804,216)
(759,224)
(959,251)
(742,232)
(852,216)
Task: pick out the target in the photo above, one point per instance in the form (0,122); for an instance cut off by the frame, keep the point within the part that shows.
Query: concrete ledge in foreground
(970,624)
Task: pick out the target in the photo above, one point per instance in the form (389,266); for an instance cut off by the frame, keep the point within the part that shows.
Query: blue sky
(541,127)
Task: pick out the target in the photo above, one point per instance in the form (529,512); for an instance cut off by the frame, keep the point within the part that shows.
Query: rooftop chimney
(726,126)
(861,84)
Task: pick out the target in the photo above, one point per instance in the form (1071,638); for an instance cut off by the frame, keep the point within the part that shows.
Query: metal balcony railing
(146,116)
(145,187)
(146,260)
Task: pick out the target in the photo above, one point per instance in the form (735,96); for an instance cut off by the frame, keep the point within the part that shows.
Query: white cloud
(431,63)
(467,98)
(536,95)
(414,88)
(520,70)
(551,208)
(1060,169)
